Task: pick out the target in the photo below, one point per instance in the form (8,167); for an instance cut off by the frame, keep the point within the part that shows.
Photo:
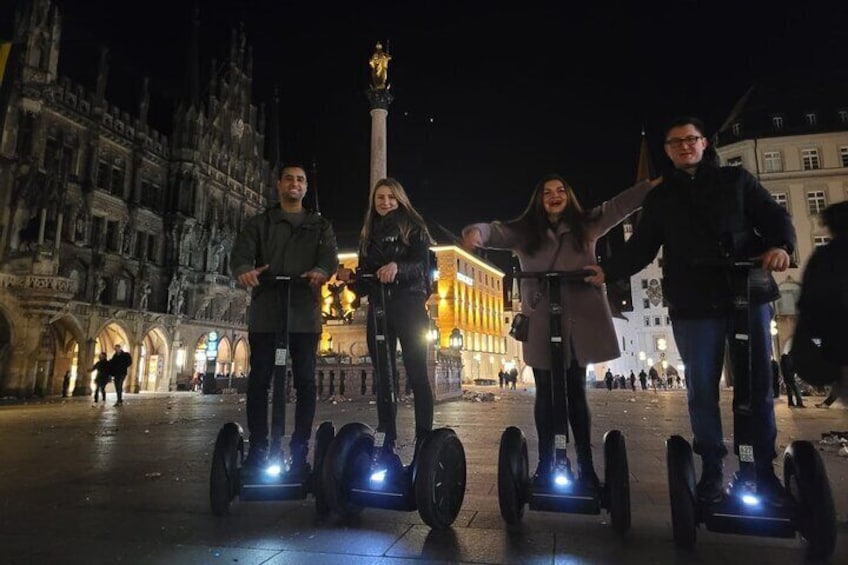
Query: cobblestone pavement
(83,483)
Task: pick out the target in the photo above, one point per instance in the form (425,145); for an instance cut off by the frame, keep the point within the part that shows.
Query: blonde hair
(408,217)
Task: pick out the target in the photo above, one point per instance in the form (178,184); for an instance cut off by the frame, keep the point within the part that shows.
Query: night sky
(486,100)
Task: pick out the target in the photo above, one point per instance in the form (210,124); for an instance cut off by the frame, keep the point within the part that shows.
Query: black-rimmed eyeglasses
(680,141)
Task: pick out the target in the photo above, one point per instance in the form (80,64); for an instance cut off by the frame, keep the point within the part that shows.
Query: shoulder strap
(538,296)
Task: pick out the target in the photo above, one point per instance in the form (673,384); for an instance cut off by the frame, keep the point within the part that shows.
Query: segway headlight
(274,470)
(377,477)
(561,480)
(749,499)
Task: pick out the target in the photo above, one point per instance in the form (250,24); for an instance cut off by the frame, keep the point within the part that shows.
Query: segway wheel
(512,474)
(226,460)
(440,480)
(805,479)
(323,437)
(617,481)
(681,490)
(348,458)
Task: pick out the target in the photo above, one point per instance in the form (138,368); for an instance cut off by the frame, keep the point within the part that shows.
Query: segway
(809,510)
(556,489)
(358,472)
(276,480)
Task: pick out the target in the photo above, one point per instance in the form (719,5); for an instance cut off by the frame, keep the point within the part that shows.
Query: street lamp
(455,339)
(433,335)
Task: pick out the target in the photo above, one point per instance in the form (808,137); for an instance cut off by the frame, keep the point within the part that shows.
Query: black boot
(299,464)
(710,488)
(586,470)
(770,487)
(257,456)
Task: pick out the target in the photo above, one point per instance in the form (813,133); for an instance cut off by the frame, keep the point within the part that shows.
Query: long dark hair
(408,217)
(533,222)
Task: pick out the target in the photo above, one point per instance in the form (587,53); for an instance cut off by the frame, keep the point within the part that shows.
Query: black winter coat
(720,213)
(823,303)
(385,245)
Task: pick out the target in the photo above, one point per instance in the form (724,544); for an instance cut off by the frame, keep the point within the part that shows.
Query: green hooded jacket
(268,238)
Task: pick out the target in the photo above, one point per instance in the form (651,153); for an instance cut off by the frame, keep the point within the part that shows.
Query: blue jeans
(702,346)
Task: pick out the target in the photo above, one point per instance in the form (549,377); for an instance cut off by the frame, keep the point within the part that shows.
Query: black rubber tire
(805,479)
(224,474)
(440,479)
(348,457)
(323,437)
(512,474)
(681,490)
(617,481)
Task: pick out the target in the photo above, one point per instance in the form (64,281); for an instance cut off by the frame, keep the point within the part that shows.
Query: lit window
(820,240)
(815,202)
(843,154)
(777,122)
(782,199)
(810,159)
(810,118)
(772,162)
(735,161)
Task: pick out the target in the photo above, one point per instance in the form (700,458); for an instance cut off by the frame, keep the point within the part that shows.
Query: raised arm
(616,209)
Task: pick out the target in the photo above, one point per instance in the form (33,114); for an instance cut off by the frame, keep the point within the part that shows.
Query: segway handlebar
(266,278)
(726,263)
(370,277)
(575,275)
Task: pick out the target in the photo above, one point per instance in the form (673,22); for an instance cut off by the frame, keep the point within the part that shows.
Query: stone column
(379,99)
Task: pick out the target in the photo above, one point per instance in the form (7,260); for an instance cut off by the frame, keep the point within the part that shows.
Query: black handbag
(520,329)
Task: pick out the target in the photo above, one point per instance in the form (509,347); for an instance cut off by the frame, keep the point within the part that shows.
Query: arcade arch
(153,359)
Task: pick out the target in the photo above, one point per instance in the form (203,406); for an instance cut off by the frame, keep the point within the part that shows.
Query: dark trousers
(119,387)
(793,394)
(578,412)
(100,389)
(302,350)
(407,321)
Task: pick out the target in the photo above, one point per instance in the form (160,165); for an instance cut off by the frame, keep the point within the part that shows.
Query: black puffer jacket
(385,245)
(721,212)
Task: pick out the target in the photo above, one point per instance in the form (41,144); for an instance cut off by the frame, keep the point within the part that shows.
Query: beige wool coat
(588,313)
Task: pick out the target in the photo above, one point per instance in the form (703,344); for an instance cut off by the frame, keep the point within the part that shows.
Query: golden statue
(379,63)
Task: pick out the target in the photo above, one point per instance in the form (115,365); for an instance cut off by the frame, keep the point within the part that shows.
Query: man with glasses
(703,211)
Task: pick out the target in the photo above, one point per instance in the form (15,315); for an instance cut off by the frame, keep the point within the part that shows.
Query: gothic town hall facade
(114,233)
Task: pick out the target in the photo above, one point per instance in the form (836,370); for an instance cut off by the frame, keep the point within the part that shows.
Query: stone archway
(68,357)
(153,360)
(108,337)
(224,361)
(242,358)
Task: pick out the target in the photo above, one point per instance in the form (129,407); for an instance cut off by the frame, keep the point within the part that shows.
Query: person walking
(823,304)
(701,212)
(394,246)
(793,394)
(285,239)
(555,233)
(632,380)
(609,380)
(119,364)
(643,379)
(101,377)
(66,384)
